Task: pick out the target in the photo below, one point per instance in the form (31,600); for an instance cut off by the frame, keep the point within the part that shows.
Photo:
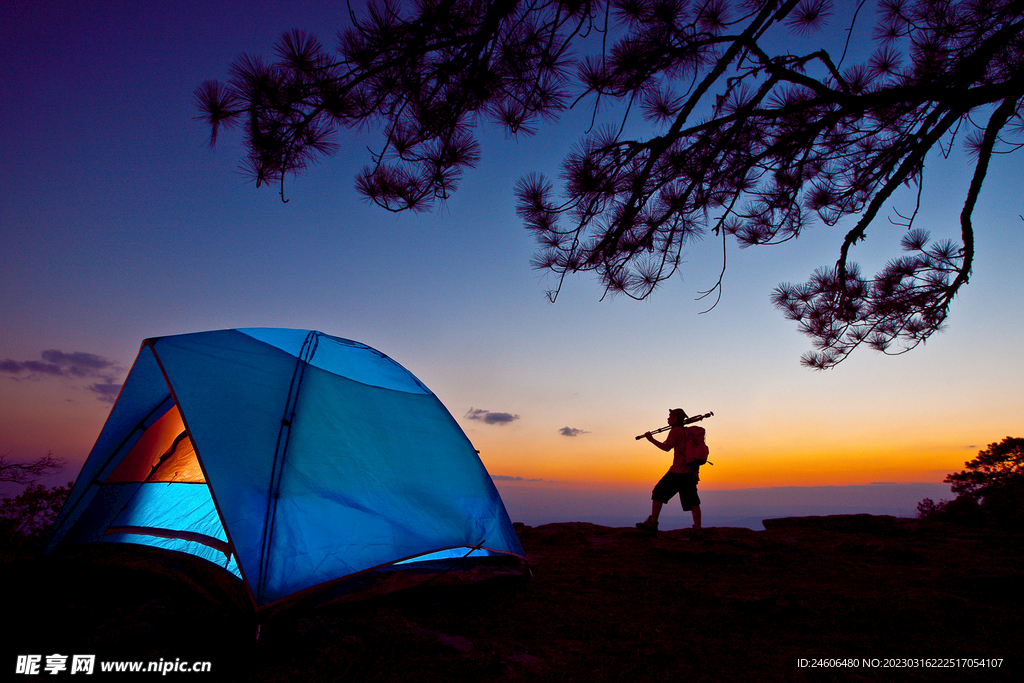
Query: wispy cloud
(76,365)
(571,431)
(505,477)
(105,391)
(489,417)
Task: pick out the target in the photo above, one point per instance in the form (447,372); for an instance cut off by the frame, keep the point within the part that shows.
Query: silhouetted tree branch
(747,142)
(28,472)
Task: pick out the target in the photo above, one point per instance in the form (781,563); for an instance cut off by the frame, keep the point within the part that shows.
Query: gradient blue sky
(117,224)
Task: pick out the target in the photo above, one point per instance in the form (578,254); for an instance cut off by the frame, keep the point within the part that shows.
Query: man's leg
(651,523)
(696,516)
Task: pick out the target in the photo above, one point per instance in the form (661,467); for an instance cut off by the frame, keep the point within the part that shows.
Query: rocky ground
(891,599)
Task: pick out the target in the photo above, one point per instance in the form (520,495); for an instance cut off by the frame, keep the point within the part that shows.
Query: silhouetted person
(681,478)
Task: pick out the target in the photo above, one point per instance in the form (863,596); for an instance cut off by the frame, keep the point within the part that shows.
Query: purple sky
(117,224)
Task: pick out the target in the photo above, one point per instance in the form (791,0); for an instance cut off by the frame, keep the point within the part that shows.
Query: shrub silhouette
(25,519)
(990,490)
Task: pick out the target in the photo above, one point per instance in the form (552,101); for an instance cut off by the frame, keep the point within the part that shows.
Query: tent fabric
(163,453)
(291,458)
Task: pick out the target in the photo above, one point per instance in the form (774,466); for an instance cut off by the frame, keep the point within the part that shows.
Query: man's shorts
(684,484)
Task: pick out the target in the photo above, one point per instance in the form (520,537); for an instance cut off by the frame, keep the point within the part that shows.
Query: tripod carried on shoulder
(689,420)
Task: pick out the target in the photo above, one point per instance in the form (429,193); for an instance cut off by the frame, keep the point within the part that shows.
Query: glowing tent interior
(293,460)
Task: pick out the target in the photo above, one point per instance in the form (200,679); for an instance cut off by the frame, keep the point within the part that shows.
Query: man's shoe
(647,525)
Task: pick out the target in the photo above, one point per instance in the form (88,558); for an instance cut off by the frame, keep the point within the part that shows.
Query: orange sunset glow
(451,294)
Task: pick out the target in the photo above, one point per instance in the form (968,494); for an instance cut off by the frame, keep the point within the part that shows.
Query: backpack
(696,449)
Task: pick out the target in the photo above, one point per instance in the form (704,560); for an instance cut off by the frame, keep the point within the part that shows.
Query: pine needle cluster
(749,141)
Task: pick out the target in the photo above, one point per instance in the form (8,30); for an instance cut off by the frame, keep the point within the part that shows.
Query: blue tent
(290,458)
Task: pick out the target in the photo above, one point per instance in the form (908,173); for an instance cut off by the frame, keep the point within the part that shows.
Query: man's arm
(669,443)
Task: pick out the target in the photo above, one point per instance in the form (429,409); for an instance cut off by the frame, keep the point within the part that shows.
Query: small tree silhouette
(28,517)
(25,519)
(749,143)
(991,487)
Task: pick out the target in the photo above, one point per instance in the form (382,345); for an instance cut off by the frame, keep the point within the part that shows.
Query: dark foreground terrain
(892,600)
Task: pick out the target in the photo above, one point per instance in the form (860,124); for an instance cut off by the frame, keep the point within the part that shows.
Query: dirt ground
(856,598)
